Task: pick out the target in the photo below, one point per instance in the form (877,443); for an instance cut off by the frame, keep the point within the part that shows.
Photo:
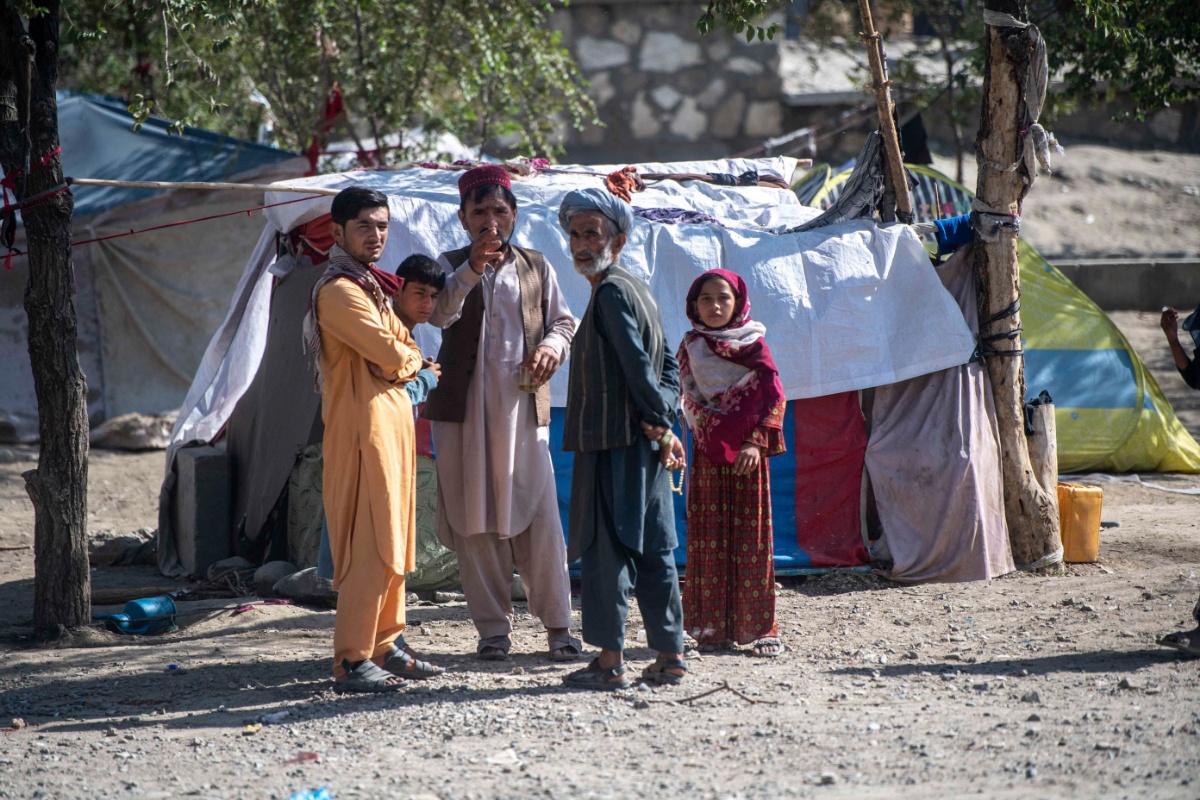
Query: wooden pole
(237,187)
(881,86)
(1030,509)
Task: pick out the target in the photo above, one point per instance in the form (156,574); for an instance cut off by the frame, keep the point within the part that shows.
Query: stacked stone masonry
(663,91)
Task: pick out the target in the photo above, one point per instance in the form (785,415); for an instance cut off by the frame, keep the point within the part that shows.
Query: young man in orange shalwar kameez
(364,355)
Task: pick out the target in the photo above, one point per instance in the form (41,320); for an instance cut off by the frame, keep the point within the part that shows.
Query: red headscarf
(730,385)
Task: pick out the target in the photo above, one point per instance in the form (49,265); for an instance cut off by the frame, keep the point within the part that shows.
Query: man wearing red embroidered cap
(506,329)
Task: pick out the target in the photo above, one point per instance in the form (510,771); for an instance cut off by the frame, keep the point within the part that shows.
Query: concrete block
(203,507)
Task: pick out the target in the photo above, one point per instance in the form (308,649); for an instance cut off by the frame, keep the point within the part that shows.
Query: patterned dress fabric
(729,589)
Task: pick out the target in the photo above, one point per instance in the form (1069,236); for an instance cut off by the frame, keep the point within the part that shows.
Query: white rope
(1098,477)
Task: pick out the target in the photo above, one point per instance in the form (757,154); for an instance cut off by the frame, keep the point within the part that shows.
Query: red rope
(131,232)
(9,181)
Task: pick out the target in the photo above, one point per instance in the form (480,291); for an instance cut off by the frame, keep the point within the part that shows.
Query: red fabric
(334,106)
(624,182)
(726,421)
(424,436)
(831,443)
(729,590)
(487,175)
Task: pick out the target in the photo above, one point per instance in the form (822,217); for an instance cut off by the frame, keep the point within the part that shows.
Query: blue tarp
(98,141)
(790,558)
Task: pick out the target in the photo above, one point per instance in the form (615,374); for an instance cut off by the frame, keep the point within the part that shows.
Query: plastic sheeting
(934,464)
(838,303)
(146,304)
(98,141)
(830,439)
(1110,414)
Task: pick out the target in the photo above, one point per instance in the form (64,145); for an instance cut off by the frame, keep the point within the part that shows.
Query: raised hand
(486,250)
(1169,321)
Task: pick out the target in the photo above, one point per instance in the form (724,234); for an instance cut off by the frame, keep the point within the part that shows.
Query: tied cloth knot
(989,223)
(1037,142)
(624,182)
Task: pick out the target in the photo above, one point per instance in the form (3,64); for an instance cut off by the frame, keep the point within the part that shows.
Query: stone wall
(664,92)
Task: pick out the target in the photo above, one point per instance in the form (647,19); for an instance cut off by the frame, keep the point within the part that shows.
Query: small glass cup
(525,380)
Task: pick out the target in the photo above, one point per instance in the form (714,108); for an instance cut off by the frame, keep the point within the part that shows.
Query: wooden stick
(887,124)
(724,687)
(6,548)
(237,187)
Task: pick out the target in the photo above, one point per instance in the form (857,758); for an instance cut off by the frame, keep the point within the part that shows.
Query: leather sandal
(367,678)
(565,648)
(594,676)
(403,665)
(656,671)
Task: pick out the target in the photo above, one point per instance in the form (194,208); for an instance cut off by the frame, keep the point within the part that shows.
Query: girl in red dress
(733,401)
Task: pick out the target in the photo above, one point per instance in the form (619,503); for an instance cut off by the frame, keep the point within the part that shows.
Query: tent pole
(887,123)
(208,185)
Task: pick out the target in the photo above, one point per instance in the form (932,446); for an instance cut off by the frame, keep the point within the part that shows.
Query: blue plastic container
(143,617)
(151,607)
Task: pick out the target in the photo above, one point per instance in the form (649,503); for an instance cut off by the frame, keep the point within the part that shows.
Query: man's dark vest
(601,414)
(460,341)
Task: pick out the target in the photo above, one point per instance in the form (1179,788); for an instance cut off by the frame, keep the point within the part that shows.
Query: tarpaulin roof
(98,141)
(1110,414)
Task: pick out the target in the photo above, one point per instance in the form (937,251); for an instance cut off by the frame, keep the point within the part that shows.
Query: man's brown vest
(460,341)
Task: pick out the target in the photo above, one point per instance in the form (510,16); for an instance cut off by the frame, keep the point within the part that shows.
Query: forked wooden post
(881,86)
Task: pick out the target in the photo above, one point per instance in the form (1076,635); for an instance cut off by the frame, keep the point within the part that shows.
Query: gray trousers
(610,572)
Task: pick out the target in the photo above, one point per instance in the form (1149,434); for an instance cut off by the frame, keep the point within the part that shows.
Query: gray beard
(601,261)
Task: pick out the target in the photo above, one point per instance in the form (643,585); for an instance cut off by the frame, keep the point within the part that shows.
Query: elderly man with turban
(622,393)
(506,328)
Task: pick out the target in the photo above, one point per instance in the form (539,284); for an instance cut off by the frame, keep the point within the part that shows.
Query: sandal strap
(660,664)
(367,671)
(419,667)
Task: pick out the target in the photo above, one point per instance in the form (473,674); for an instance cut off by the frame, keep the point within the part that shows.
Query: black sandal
(594,676)
(494,648)
(564,648)
(367,678)
(403,665)
(766,647)
(656,672)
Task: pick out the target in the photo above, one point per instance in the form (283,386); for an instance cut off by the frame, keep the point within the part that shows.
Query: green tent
(1110,413)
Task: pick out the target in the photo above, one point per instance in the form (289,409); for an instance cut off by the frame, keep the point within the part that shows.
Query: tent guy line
(131,232)
(209,185)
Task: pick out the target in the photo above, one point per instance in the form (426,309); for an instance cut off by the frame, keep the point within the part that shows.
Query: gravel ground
(1027,686)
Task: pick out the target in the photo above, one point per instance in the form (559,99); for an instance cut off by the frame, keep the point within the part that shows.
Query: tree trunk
(58,487)
(1030,510)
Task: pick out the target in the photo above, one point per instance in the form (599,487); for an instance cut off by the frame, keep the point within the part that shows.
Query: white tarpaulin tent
(848,306)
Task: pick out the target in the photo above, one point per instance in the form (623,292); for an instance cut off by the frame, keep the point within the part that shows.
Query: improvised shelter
(1110,413)
(838,302)
(148,303)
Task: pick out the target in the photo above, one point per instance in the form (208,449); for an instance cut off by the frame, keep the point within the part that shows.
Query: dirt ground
(1109,202)
(1026,686)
